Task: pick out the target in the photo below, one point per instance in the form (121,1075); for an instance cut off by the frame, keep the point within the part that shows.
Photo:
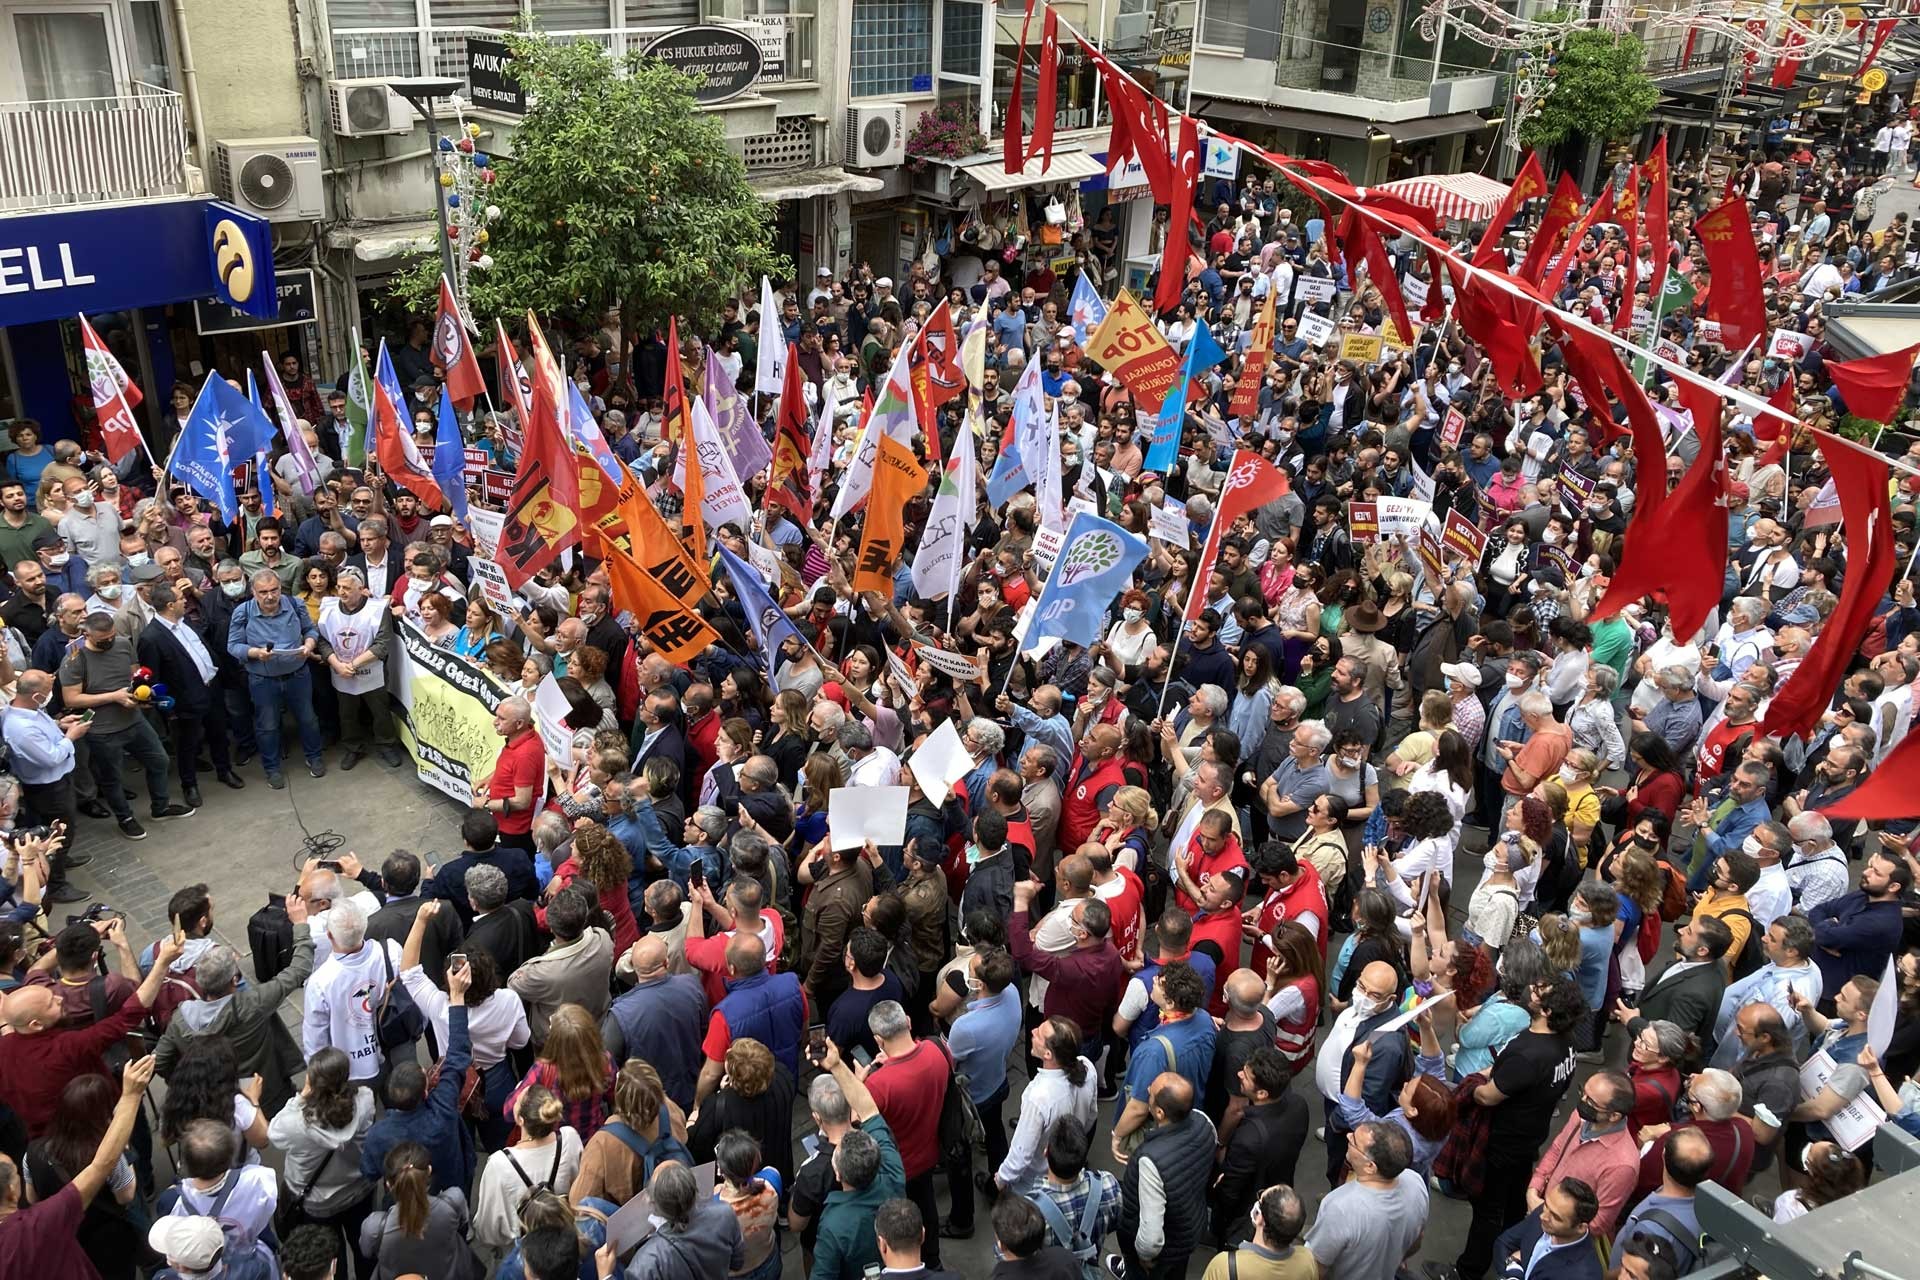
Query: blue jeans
(273,697)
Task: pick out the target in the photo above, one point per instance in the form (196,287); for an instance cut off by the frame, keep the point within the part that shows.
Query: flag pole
(1180,632)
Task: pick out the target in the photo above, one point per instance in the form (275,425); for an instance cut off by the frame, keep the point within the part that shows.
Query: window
(892,47)
(495,14)
(960,22)
(353,15)
(1223,24)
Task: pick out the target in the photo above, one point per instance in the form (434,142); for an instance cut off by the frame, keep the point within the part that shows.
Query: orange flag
(675,425)
(675,631)
(897,479)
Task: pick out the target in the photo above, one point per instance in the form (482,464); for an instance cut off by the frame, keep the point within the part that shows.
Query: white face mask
(110,592)
(139,557)
(1580,916)
(1132,615)
(59,559)
(1514,681)
(1751,846)
(1352,762)
(1568,775)
(83,499)
(1550,536)
(234,590)
(1368,1005)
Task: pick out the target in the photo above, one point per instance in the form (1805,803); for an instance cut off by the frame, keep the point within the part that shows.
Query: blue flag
(1009,475)
(216,428)
(264,435)
(1094,567)
(1202,353)
(770,624)
(1085,311)
(450,459)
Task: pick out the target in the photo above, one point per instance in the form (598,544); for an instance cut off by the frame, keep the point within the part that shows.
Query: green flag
(359,406)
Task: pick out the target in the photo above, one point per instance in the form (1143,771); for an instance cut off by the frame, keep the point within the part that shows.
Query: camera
(20,835)
(96,913)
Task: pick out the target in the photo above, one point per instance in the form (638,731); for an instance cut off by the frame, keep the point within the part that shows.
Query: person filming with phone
(43,750)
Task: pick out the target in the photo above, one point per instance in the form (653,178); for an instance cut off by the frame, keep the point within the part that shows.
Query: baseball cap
(1064,331)
(1461,673)
(192,1243)
(440,522)
(825,271)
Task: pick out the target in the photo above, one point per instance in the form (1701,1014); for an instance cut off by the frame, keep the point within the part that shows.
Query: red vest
(1080,807)
(1305,894)
(1294,1037)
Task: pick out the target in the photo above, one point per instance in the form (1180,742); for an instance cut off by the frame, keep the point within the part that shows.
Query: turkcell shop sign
(54,265)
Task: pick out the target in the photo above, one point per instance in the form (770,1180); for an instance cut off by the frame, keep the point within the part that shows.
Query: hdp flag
(1085,311)
(203,458)
(1202,353)
(1093,569)
(768,621)
(450,458)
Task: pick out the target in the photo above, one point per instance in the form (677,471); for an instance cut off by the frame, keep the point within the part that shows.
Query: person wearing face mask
(64,571)
(91,525)
(1132,638)
(97,676)
(1375,1000)
(115,598)
(1596,1146)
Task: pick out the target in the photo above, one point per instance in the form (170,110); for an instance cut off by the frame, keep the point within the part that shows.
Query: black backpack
(1752,953)
(398,1021)
(960,1125)
(270,935)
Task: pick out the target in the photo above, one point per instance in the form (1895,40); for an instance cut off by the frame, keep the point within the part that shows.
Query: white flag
(770,363)
(821,456)
(942,555)
(725,500)
(892,415)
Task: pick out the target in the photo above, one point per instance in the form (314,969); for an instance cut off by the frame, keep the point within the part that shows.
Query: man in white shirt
(1817,276)
(1065,1085)
(324,890)
(1772,894)
(1818,872)
(344,993)
(873,766)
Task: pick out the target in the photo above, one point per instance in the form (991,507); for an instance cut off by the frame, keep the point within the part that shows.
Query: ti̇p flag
(306,469)
(1658,194)
(453,349)
(1736,299)
(1529,184)
(114,397)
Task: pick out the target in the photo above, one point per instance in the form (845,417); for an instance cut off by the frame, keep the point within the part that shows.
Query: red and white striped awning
(1466,196)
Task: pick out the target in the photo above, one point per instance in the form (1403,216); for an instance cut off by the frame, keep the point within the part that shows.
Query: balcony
(79,151)
(787,46)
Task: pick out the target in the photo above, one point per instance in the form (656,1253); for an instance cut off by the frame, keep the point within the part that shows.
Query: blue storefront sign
(57,265)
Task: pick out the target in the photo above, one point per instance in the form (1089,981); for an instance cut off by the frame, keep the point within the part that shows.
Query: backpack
(663,1149)
(1078,1241)
(270,937)
(1689,1246)
(1673,894)
(398,1021)
(1752,954)
(242,1255)
(960,1127)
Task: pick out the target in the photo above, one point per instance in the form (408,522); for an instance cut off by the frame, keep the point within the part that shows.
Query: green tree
(617,192)
(1601,91)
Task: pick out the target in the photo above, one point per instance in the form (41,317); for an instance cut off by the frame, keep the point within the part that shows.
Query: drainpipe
(190,84)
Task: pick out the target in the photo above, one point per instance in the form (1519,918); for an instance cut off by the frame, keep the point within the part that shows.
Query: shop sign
(493,85)
(1222,160)
(55,265)
(726,61)
(299,304)
(770,33)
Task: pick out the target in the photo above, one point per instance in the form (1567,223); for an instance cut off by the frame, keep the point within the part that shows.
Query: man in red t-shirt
(513,791)
(1123,893)
(1741,707)
(740,913)
(39,1241)
(908,1081)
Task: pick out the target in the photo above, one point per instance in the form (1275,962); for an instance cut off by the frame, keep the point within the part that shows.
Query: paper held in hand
(856,815)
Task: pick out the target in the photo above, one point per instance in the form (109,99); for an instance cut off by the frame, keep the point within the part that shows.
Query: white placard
(856,815)
(958,666)
(1853,1125)
(1789,345)
(1315,330)
(1168,522)
(1400,1020)
(1706,331)
(550,708)
(901,671)
(1079,503)
(492,581)
(1314,289)
(940,762)
(1402,517)
(486,527)
(1414,290)
(1880,1016)
(1046,547)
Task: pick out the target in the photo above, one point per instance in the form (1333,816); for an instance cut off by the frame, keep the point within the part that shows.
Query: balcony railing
(74,151)
(787,43)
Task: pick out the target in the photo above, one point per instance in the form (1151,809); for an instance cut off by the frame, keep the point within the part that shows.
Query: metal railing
(787,42)
(74,151)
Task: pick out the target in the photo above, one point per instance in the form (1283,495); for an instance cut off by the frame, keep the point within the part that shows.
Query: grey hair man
(344,989)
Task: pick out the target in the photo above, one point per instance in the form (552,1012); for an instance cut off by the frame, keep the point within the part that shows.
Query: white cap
(440,522)
(1465,673)
(824,271)
(188,1243)
(884,282)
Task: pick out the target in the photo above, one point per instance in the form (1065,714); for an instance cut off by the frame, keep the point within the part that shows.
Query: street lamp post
(420,91)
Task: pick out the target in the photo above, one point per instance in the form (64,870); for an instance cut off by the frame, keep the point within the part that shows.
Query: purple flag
(747,445)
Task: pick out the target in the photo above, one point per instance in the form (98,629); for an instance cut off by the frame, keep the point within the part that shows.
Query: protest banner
(1463,537)
(1403,517)
(1707,331)
(491,580)
(495,485)
(1789,345)
(1363,521)
(443,706)
(1128,345)
(486,527)
(1168,522)
(474,463)
(1853,1125)
(1414,290)
(856,815)
(1361,348)
(550,711)
(1431,558)
(956,665)
(1313,289)
(1046,547)
(1577,482)
(1452,427)
(1561,561)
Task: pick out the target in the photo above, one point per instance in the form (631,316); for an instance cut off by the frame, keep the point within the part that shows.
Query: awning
(1286,118)
(1467,196)
(1433,126)
(800,184)
(387,242)
(1070,166)
(1874,329)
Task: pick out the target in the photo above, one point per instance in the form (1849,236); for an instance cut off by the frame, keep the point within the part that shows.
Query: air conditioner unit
(1130,30)
(367,109)
(274,178)
(876,135)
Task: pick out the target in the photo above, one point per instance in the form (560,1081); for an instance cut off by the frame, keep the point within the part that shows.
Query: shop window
(1223,24)
(892,48)
(494,14)
(960,23)
(355,15)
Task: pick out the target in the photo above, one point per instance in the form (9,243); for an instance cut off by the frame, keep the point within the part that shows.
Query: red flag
(1434,309)
(1600,210)
(934,361)
(675,425)
(1179,197)
(1013,150)
(393,445)
(1252,481)
(1529,184)
(1357,234)
(1627,208)
(1766,427)
(1503,325)
(1888,791)
(1874,386)
(1659,195)
(1736,301)
(1787,66)
(787,483)
(543,511)
(1561,212)
(454,351)
(1597,368)
(1047,95)
(1246,392)
(114,395)
(513,383)
(1881,30)
(1861,480)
